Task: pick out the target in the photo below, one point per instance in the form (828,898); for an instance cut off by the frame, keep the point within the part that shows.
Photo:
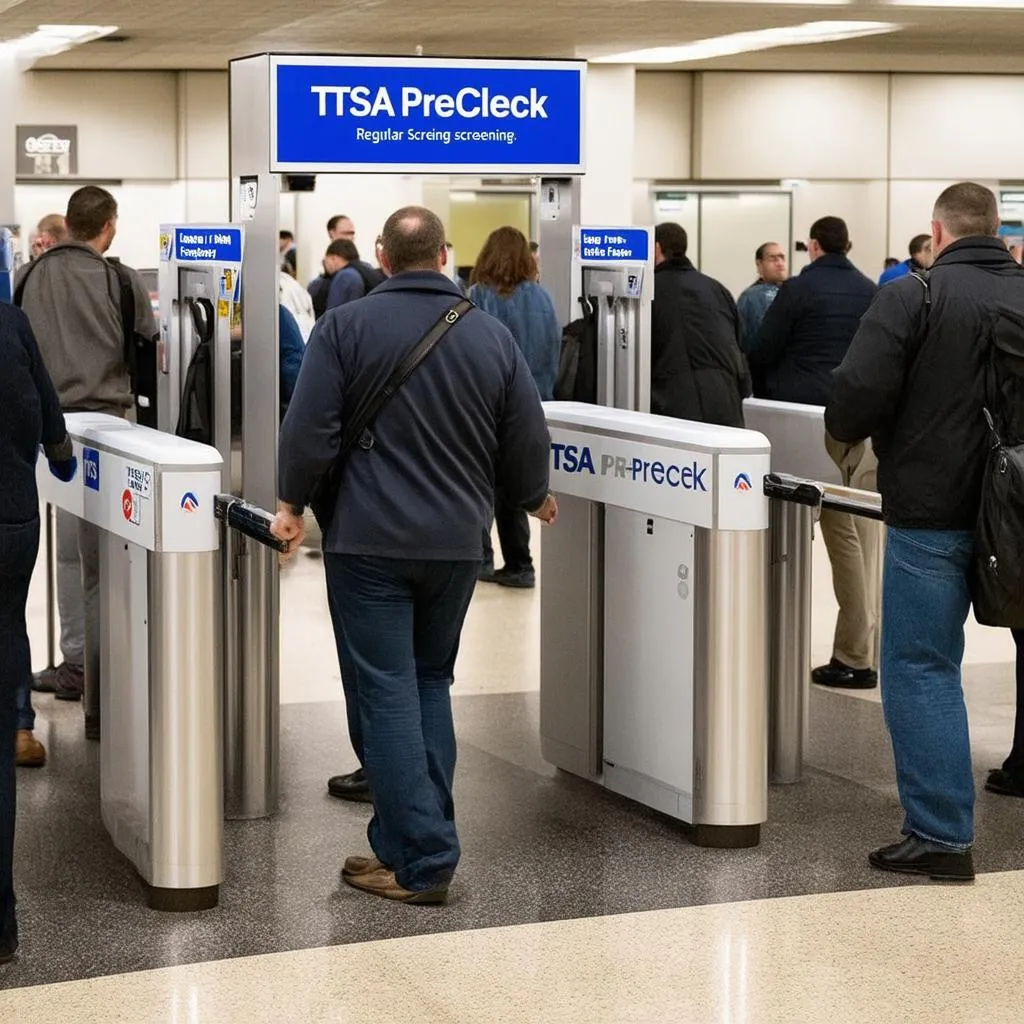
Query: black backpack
(140,355)
(195,415)
(371,275)
(577,363)
(997,579)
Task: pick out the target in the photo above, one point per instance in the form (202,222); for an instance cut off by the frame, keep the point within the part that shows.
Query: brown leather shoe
(382,883)
(360,866)
(28,751)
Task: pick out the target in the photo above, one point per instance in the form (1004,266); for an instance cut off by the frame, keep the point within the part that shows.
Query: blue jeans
(925,603)
(400,622)
(19,545)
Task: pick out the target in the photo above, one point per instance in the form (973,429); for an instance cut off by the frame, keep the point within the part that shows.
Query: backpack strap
(126,292)
(924,276)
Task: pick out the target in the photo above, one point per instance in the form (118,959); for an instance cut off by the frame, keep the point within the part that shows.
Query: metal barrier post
(251,681)
(790,644)
(51,586)
(791,525)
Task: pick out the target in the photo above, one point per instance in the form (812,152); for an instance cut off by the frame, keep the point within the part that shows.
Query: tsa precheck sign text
(405,114)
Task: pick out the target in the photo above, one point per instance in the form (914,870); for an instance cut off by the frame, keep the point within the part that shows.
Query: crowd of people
(421,407)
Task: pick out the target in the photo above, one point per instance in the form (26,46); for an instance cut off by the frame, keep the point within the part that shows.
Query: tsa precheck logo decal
(742,483)
(189,503)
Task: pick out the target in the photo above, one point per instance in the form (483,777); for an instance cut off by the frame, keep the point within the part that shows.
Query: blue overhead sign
(613,245)
(422,115)
(208,245)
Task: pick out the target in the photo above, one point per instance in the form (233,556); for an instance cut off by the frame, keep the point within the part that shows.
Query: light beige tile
(915,952)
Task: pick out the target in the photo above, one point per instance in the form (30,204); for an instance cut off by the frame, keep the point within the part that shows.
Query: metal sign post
(330,115)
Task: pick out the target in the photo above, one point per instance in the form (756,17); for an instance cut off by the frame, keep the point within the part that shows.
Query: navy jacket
(29,416)
(469,417)
(808,328)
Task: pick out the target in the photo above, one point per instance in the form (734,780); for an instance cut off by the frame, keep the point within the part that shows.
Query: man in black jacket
(804,336)
(697,369)
(403,548)
(914,381)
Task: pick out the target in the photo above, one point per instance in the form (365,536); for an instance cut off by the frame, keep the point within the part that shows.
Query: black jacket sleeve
(524,444)
(673,387)
(767,346)
(310,436)
(743,380)
(56,443)
(867,387)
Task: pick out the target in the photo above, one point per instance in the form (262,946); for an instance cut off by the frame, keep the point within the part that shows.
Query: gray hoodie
(72,300)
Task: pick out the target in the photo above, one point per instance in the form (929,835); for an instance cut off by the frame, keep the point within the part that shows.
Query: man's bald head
(413,239)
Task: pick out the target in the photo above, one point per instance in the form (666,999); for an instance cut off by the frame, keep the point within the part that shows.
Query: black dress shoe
(353,786)
(842,677)
(1004,783)
(917,856)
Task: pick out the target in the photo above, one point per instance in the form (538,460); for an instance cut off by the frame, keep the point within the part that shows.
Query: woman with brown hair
(504,284)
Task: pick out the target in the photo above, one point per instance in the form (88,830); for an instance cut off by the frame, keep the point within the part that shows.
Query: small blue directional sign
(419,115)
(613,245)
(208,245)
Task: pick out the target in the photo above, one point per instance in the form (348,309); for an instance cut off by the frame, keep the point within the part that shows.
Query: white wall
(606,193)
(957,127)
(127,121)
(662,133)
(761,127)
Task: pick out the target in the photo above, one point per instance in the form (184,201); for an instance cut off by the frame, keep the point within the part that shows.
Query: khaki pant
(852,543)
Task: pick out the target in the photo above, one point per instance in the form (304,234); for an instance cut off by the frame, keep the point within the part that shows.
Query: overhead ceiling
(199,34)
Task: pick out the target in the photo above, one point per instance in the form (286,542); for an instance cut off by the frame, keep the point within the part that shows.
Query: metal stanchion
(51,586)
(251,691)
(791,524)
(792,516)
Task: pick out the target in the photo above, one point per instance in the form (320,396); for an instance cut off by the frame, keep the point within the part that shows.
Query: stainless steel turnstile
(653,616)
(152,497)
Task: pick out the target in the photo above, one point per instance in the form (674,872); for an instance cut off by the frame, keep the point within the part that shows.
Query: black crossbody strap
(370,409)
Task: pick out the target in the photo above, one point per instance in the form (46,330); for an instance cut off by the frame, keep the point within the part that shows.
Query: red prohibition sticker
(131,507)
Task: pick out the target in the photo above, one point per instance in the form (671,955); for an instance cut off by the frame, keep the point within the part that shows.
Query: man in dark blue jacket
(808,328)
(403,546)
(804,336)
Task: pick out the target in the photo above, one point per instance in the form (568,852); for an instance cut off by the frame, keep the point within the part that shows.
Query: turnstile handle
(783,487)
(249,520)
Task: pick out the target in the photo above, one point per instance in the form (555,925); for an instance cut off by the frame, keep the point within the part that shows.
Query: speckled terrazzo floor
(915,953)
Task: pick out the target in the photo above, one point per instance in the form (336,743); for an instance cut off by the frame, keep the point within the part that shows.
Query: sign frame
(532,168)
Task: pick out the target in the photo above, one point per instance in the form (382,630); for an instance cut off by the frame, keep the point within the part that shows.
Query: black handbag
(357,431)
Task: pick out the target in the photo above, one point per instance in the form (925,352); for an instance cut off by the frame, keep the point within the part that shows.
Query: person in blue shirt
(504,284)
(920,259)
(753,303)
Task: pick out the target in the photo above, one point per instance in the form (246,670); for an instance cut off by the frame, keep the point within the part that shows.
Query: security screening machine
(654,675)
(310,115)
(152,496)
(615,268)
(199,282)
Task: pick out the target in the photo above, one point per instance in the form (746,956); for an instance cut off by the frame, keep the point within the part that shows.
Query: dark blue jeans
(400,622)
(19,545)
(924,606)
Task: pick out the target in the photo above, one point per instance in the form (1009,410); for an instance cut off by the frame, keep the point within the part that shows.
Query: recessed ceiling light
(743,42)
(48,40)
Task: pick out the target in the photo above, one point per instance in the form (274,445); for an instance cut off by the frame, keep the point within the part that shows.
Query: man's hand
(290,528)
(548,512)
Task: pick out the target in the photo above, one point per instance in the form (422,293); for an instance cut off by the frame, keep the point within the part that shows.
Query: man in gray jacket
(71,295)
(403,546)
